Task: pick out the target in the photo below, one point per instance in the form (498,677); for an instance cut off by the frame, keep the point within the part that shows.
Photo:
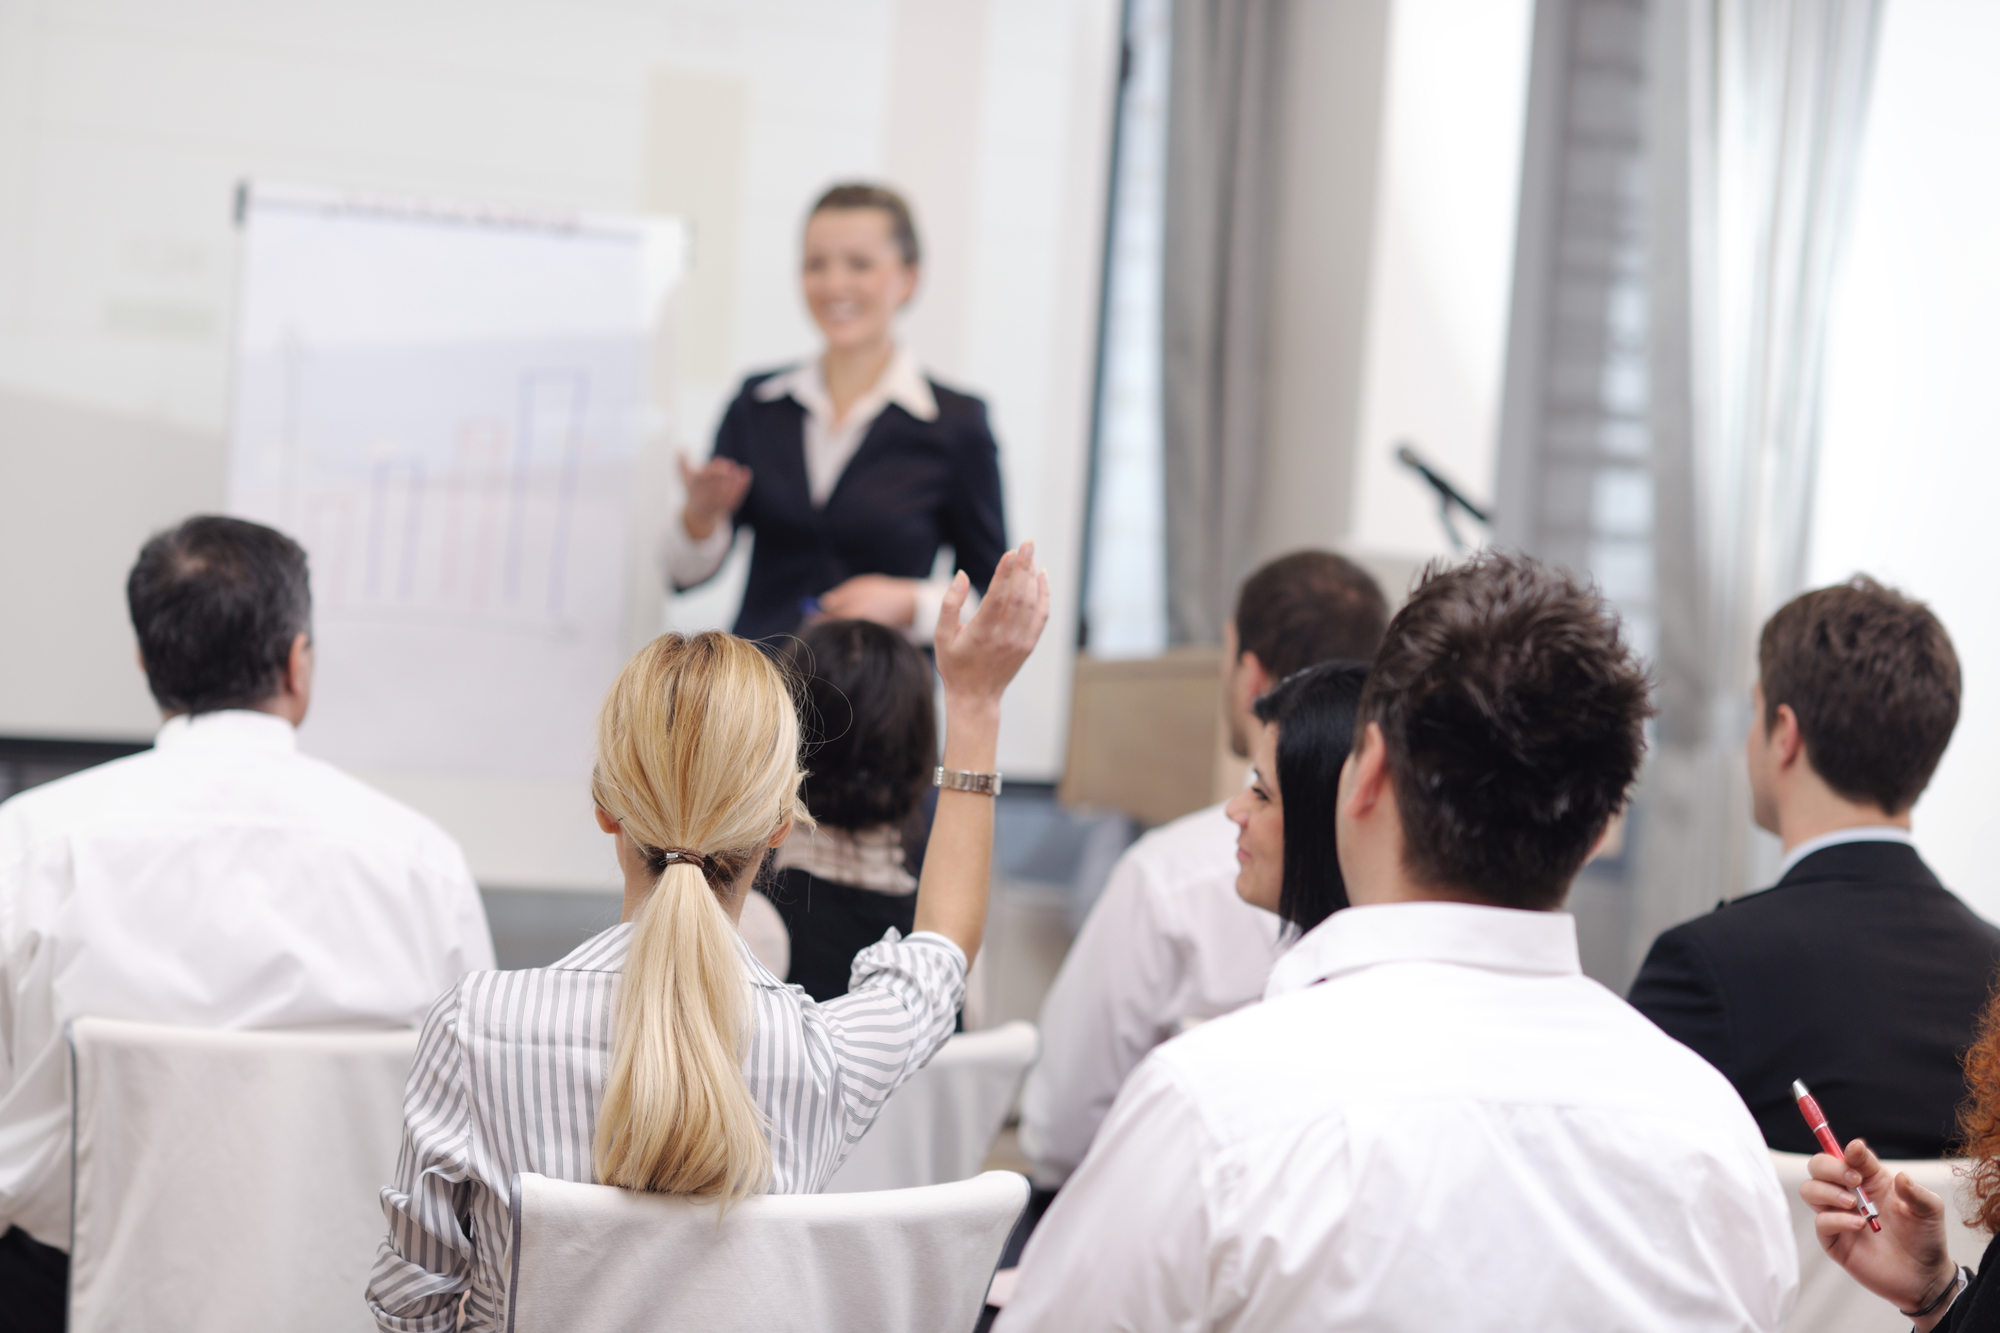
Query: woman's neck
(850,372)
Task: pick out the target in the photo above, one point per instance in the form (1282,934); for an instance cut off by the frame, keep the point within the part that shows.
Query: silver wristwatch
(957,779)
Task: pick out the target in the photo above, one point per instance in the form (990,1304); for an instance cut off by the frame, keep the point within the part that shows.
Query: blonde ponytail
(697,749)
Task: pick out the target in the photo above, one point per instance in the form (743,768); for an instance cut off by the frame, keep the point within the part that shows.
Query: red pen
(1817,1119)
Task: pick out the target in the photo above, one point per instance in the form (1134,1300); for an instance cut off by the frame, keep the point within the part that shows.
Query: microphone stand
(1448,495)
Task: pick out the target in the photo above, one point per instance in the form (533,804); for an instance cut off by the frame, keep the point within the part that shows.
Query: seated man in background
(1857,695)
(1434,1120)
(1169,940)
(221,879)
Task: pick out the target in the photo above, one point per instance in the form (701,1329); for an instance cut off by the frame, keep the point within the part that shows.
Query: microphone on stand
(1448,495)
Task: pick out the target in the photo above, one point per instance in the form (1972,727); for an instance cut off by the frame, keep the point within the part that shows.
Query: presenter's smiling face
(854,276)
(1259,813)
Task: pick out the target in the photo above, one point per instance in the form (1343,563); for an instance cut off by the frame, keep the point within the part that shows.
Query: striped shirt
(510,1070)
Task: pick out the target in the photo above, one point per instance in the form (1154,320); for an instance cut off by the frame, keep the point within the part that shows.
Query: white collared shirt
(830,446)
(1167,943)
(1435,1121)
(1860,833)
(223,880)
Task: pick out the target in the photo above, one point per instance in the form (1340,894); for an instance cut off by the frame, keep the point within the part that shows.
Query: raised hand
(1906,1263)
(979,658)
(714,491)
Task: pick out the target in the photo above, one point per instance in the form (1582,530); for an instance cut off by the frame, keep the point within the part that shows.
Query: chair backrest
(895,1261)
(940,1125)
(230,1180)
(1832,1302)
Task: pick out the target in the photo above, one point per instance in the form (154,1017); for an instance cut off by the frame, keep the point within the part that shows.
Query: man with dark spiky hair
(221,879)
(1856,698)
(1434,1120)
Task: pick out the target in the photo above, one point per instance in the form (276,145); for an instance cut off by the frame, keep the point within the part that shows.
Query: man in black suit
(1857,695)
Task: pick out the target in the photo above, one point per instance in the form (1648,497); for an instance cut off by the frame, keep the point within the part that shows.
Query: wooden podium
(1147,736)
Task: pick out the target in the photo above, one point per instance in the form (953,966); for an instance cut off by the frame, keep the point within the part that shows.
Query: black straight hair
(1314,711)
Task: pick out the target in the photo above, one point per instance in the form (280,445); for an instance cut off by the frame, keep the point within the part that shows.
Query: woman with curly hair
(1907,1263)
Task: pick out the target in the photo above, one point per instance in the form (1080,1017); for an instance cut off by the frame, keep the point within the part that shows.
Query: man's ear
(1256,678)
(298,666)
(1785,740)
(1368,773)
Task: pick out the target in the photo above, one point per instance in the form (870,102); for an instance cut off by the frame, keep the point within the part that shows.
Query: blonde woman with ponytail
(660,1055)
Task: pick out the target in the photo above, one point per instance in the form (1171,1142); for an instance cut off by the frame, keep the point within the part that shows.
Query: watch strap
(957,779)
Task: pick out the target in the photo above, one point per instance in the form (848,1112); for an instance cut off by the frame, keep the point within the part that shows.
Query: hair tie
(683,854)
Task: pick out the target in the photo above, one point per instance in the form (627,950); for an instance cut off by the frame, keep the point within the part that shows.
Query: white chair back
(940,1125)
(897,1261)
(1829,1300)
(230,1180)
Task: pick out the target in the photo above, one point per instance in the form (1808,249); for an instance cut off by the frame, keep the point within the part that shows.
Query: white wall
(124,128)
(1909,480)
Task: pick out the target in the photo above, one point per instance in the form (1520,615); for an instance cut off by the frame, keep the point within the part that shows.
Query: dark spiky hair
(1513,713)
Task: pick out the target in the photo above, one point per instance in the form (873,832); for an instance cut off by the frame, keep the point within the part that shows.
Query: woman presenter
(854,468)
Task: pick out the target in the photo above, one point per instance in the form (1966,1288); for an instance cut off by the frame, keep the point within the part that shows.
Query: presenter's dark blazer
(1857,972)
(912,487)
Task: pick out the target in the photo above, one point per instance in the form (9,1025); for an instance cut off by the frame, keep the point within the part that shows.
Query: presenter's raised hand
(1905,1263)
(714,492)
(979,658)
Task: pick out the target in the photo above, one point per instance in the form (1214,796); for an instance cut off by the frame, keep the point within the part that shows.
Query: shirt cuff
(930,604)
(689,563)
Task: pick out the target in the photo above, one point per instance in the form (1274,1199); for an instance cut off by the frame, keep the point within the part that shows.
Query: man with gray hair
(219,880)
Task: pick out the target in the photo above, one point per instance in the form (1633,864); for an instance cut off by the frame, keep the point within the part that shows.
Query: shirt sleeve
(1677,989)
(1130,1241)
(688,563)
(1111,1003)
(902,1002)
(425,1264)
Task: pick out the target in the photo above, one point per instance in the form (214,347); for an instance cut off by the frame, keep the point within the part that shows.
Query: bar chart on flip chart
(444,408)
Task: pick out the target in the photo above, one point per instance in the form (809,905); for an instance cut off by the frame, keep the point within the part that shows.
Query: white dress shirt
(220,880)
(510,1072)
(830,446)
(1168,942)
(1434,1122)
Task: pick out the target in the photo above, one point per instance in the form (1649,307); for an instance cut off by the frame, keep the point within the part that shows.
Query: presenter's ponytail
(698,761)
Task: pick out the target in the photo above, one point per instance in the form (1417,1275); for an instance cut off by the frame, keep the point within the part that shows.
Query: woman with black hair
(871,748)
(1288,865)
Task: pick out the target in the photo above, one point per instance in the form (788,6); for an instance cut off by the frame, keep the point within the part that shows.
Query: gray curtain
(1756,118)
(1221,203)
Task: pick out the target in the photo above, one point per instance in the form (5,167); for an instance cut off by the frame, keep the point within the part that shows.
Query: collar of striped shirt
(606,953)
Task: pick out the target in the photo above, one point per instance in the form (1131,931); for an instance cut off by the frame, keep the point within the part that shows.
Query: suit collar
(1873,860)
(1860,833)
(902,383)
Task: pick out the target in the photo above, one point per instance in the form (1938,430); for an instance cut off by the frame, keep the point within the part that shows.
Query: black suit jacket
(1857,972)
(912,487)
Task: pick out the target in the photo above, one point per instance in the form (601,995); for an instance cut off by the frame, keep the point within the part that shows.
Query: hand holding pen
(1897,1250)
